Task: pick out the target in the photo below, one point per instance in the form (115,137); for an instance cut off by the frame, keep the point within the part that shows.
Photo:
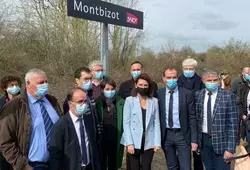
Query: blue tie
(48,124)
(83,143)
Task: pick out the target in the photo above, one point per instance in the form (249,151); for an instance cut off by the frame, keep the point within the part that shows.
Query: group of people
(191,115)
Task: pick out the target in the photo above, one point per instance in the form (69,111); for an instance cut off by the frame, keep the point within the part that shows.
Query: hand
(243,163)
(228,155)
(27,167)
(131,149)
(194,147)
(156,148)
(244,117)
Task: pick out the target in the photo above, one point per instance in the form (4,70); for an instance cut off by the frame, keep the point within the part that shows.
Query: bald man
(237,82)
(73,142)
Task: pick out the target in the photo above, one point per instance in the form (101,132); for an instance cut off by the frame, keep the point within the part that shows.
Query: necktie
(170,110)
(83,143)
(48,124)
(209,114)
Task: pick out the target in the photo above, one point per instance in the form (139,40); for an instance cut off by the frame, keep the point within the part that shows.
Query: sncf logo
(132,19)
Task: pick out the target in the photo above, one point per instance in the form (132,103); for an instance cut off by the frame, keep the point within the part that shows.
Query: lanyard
(237,157)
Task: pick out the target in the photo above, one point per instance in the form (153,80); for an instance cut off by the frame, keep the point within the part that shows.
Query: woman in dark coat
(110,109)
(11,86)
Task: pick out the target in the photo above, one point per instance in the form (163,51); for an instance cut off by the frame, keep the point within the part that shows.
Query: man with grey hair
(238,82)
(26,124)
(192,81)
(97,72)
(218,117)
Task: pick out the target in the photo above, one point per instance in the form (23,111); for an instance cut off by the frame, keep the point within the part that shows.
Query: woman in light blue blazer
(141,125)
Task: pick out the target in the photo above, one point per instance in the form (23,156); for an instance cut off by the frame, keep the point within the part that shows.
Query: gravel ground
(159,160)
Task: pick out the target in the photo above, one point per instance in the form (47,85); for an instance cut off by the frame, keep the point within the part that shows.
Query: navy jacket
(65,149)
(193,84)
(187,115)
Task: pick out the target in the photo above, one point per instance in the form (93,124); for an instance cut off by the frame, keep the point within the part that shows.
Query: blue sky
(198,23)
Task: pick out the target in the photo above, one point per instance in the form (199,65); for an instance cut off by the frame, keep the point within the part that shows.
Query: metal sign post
(104,48)
(106,13)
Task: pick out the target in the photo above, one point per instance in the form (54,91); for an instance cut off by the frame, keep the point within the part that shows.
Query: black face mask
(142,91)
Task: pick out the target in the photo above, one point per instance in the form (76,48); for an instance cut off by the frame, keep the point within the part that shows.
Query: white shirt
(77,128)
(248,103)
(213,98)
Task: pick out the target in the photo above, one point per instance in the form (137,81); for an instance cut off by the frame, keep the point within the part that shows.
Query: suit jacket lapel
(138,108)
(72,132)
(163,107)
(202,98)
(216,104)
(200,105)
(148,111)
(88,123)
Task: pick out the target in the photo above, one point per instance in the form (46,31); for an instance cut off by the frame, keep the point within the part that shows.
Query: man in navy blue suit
(189,79)
(178,122)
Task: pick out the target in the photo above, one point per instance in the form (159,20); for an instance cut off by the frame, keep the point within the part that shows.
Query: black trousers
(109,153)
(39,165)
(141,160)
(128,165)
(4,165)
(198,165)
(176,148)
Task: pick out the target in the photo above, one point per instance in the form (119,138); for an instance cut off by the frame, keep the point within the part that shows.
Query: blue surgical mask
(87,85)
(136,74)
(247,77)
(42,89)
(188,73)
(13,90)
(81,109)
(212,86)
(171,83)
(109,94)
(99,75)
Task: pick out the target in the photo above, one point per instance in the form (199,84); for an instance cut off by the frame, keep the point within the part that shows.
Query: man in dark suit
(127,86)
(73,144)
(238,86)
(189,79)
(218,119)
(83,79)
(178,122)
